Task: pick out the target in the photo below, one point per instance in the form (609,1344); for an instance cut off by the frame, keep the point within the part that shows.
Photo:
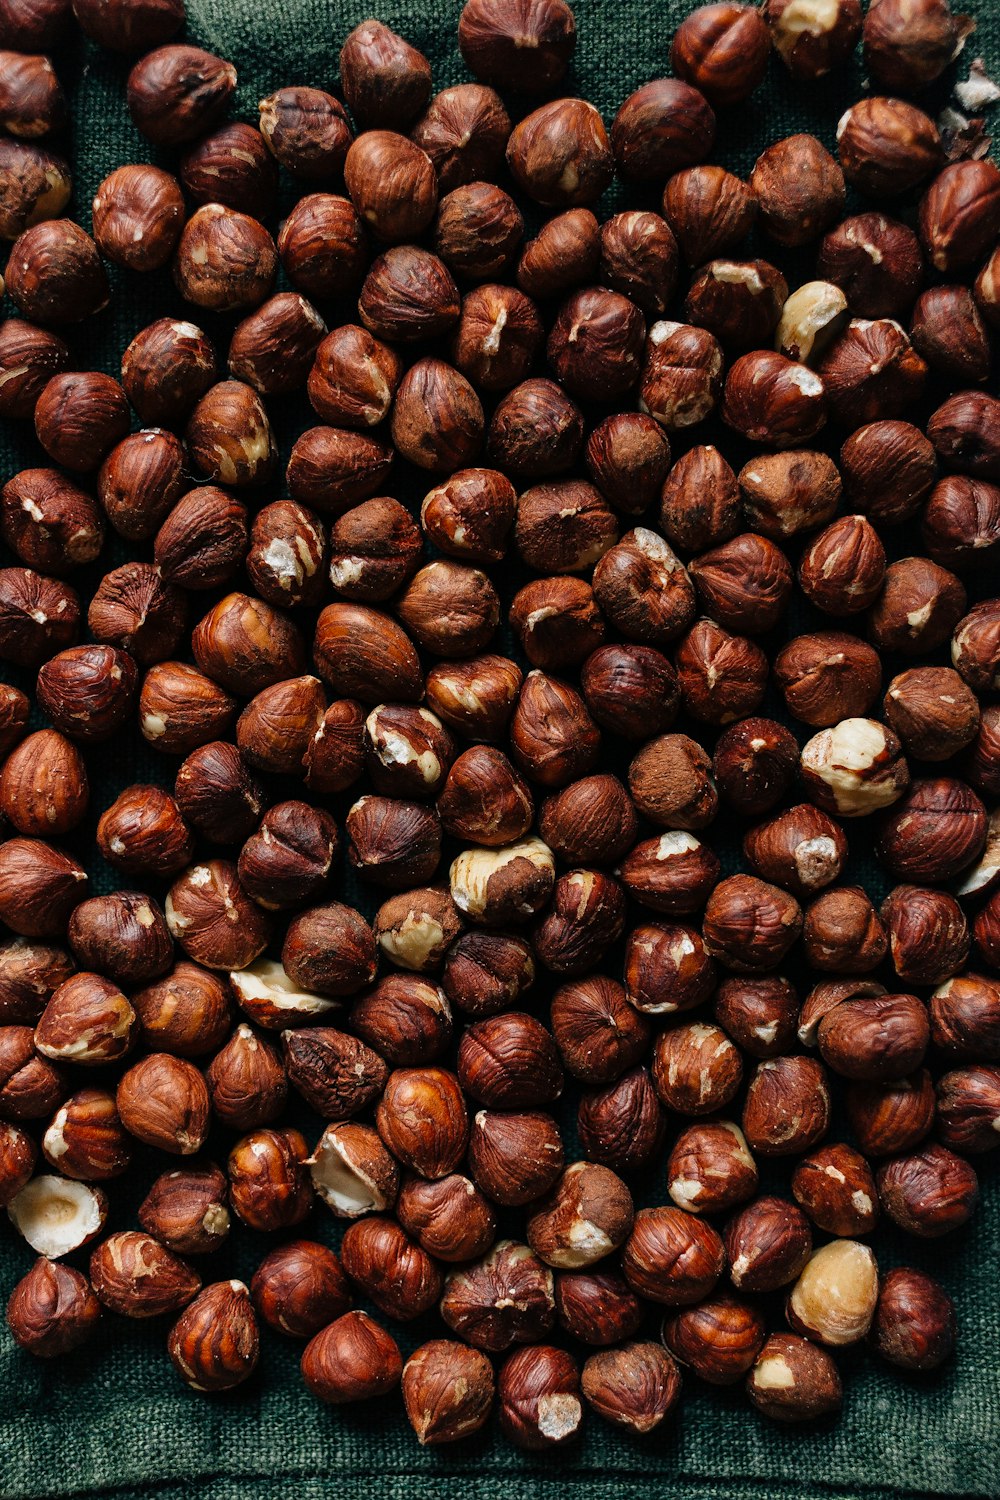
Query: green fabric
(115,1419)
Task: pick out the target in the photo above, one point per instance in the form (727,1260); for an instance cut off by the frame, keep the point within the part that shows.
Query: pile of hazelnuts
(519,703)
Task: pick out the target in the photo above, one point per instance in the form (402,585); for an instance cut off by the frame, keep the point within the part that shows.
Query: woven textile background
(115,1419)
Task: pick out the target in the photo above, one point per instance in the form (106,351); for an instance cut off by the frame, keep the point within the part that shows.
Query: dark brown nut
(813,40)
(960,215)
(799,188)
(514,1158)
(739,302)
(745,584)
(914,1323)
(721,676)
(354,378)
(124,935)
(585,918)
(129,28)
(639,259)
(681,377)
(498,335)
(39,887)
(337,1075)
(794,1380)
(353,1172)
(187,1013)
(437,420)
(643,588)
(672,1257)
(887,468)
(630,690)
(464,132)
(536,431)
(891,1117)
(854,768)
(85,1140)
(214,1344)
(141,480)
(920,605)
(447,1391)
(232,166)
(229,436)
(787,1107)
(29,972)
(15,710)
(632,1387)
(767,1244)
(928,1193)
(509,1062)
(560,154)
(398,1276)
(246,646)
(393,843)
(906,50)
(843,569)
(299,1288)
(392,184)
(961,522)
(176,94)
(938,829)
(449,609)
(506,1298)
(269,1183)
(552,735)
(877,264)
(409,294)
(37,186)
(52,1310)
(871,373)
(246,1081)
(963,431)
(55,275)
(964,1015)
(563,527)
(886,146)
(802,849)
(760,1014)
(599,1035)
(722,50)
(673,873)
(484,800)
(32,102)
(628,457)
(164,1101)
(719,1340)
(136,1277)
(330,950)
(696,1071)
(218,795)
(836,1188)
(375,548)
(307,130)
(540,1406)
(78,418)
(29,357)
(591,822)
(622,1124)
(138,214)
(87,691)
(947,330)
(596,1307)
(335,755)
(486,972)
(478,231)
(667,968)
(48,521)
(408,751)
(166,368)
(225,261)
(525,47)
(470,514)
(272,349)
(352,1358)
(287,861)
(287,554)
(322,246)
(928,934)
(709,210)
(422,1118)
(968,1104)
(212,918)
(661,128)
(564,254)
(974,647)
(773,400)
(384,79)
(828,677)
(31,1087)
(787,493)
(35,27)
(449,1218)
(406,1018)
(43,785)
(750,924)
(596,344)
(842,933)
(979,764)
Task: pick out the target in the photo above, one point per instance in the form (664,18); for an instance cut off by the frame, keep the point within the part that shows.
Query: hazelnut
(141,481)
(52,1310)
(787,493)
(351,1359)
(464,132)
(218,794)
(43,785)
(681,376)
(842,933)
(773,400)
(55,275)
(749,924)
(710,1168)
(974,649)
(556,621)
(336,1074)
(828,677)
(968,1103)
(437,420)
(506,1298)
(229,436)
(233,166)
(639,259)
(800,190)
(535,431)
(287,554)
(596,344)
(246,1081)
(38,184)
(667,969)
(964,1015)
(871,372)
(392,184)
(906,48)
(887,146)
(759,1013)
(299,1287)
(270,997)
(745,584)
(928,1193)
(138,213)
(854,768)
(661,128)
(628,458)
(484,800)
(938,829)
(177,93)
(352,1171)
(214,1344)
(787,1107)
(622,1124)
(163,1101)
(409,294)
(450,1218)
(135,1276)
(793,1380)
(739,302)
(166,368)
(564,254)
(767,1244)
(560,154)
(587,1216)
(963,433)
(961,519)
(213,919)
(32,102)
(382,76)
(307,131)
(539,1403)
(586,916)
(46,520)
(395,1274)
(592,821)
(269,1186)
(914,1323)
(132,28)
(719,1340)
(87,1020)
(643,588)
(498,334)
(225,261)
(29,357)
(39,887)
(84,1139)
(722,49)
(947,330)
(447,1391)
(56,1215)
(78,417)
(353,379)
(273,348)
(630,690)
(836,1187)
(486,972)
(422,1118)
(843,569)
(416,929)
(134,609)
(450,609)
(563,527)
(891,1117)
(672,1257)
(813,39)
(811,318)
(124,934)
(330,950)
(673,873)
(32,1087)
(802,849)
(597,1307)
(960,214)
(29,972)
(393,843)
(599,1035)
(493,39)
(696,1070)
(509,1062)
(407,1018)
(478,230)
(374,549)
(928,934)
(709,211)
(877,264)
(322,245)
(288,859)
(515,1158)
(633,1386)
(186,1210)
(553,737)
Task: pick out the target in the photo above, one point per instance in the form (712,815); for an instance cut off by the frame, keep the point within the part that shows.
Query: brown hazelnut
(563,527)
(384,79)
(330,950)
(556,621)
(947,330)
(422,1119)
(960,522)
(842,933)
(287,861)
(887,146)
(351,1359)
(814,38)
(447,1391)
(709,210)
(722,49)
(750,924)
(39,887)
(540,1406)
(406,1017)
(854,768)
(269,1184)
(164,1101)
(217,793)
(392,842)
(307,131)
(138,213)
(968,1105)
(787,1107)
(622,1124)
(536,431)
(800,190)
(498,335)
(960,214)
(887,468)
(188,1012)
(29,972)
(672,1257)
(374,549)
(506,1298)
(123,934)
(408,294)
(177,93)
(129,28)
(135,1276)
(639,259)
(352,1171)
(739,302)
(437,420)
(843,569)
(719,1340)
(493,39)
(229,436)
(78,417)
(509,1062)
(928,934)
(767,1244)
(336,1074)
(974,648)
(794,1380)
(596,1307)
(273,348)
(32,102)
(592,821)
(484,800)
(299,1288)
(233,166)
(398,1276)
(449,1218)
(166,368)
(416,929)
(464,131)
(628,457)
(560,154)
(213,919)
(773,400)
(802,849)
(759,1013)
(322,245)
(52,1310)
(587,1215)
(353,379)
(478,231)
(643,588)
(908,49)
(828,677)
(55,275)
(662,127)
(29,357)
(85,1140)
(392,184)
(31,1087)
(43,785)
(745,584)
(246,1081)
(514,1158)
(38,184)
(889,1118)
(964,1014)
(564,254)
(630,690)
(710,1169)
(213,1346)
(141,481)
(599,1035)
(939,828)
(836,1188)
(225,261)
(928,1193)
(486,972)
(877,264)
(963,431)
(871,373)
(596,344)
(552,735)
(87,1020)
(667,968)
(681,376)
(696,1070)
(633,1387)
(914,1323)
